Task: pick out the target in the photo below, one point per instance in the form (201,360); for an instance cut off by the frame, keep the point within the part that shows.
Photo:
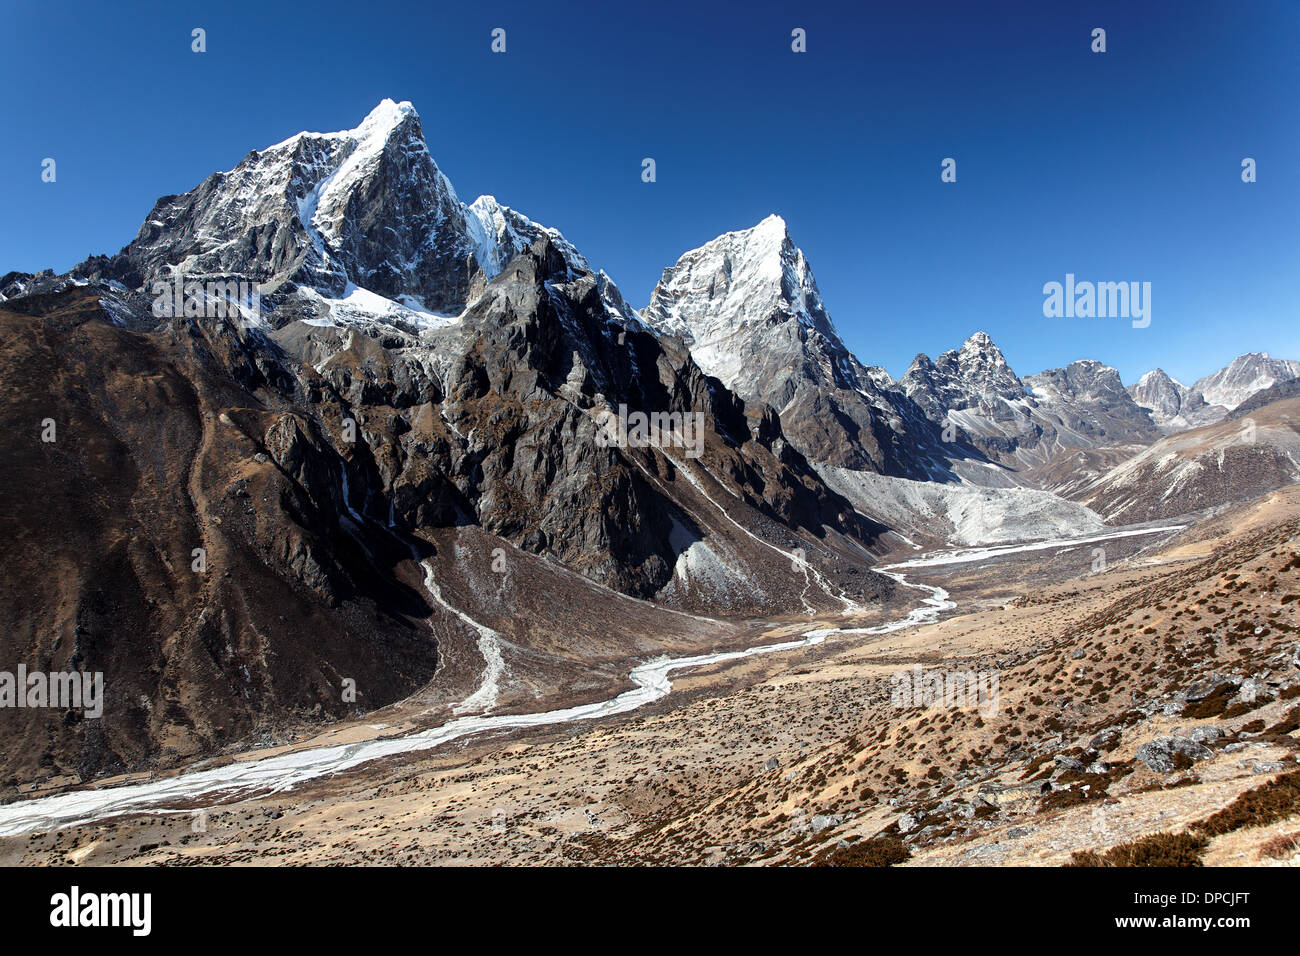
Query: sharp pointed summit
(976,376)
(754,276)
(748,307)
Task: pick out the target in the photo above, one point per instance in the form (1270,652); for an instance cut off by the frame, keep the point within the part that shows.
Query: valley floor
(799,757)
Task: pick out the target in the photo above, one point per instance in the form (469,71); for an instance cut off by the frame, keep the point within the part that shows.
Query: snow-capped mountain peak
(750,277)
(975,376)
(388,126)
(747,305)
(378,124)
(985,368)
(1084,380)
(364,209)
(1172,404)
(499,233)
(1157,378)
(1244,376)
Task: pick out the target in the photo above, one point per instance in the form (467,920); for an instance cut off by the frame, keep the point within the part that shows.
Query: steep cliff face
(366,207)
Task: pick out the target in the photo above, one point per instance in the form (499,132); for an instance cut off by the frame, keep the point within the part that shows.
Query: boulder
(1159,754)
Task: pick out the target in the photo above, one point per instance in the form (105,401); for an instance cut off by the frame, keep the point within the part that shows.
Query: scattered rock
(823,820)
(1159,754)
(1205,688)
(998,796)
(1108,739)
(1250,690)
(1268,766)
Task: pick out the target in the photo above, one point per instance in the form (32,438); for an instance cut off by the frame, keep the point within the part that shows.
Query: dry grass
(1281,847)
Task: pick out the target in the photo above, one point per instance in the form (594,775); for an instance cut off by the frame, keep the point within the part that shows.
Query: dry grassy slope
(1233,612)
(687,780)
(1076,468)
(1225,463)
(1145,631)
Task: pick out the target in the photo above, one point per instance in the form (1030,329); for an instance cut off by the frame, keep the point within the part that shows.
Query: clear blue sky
(1115,166)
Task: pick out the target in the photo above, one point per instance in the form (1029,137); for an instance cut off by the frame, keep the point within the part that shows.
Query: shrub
(878,851)
(1287,724)
(1236,710)
(1158,849)
(1211,706)
(1281,846)
(1069,797)
(1275,800)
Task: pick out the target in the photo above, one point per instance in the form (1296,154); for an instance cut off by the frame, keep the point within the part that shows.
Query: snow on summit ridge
(1244,376)
(363,209)
(379,122)
(740,278)
(1173,406)
(748,307)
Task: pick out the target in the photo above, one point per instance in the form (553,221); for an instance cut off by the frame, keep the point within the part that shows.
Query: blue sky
(1116,166)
